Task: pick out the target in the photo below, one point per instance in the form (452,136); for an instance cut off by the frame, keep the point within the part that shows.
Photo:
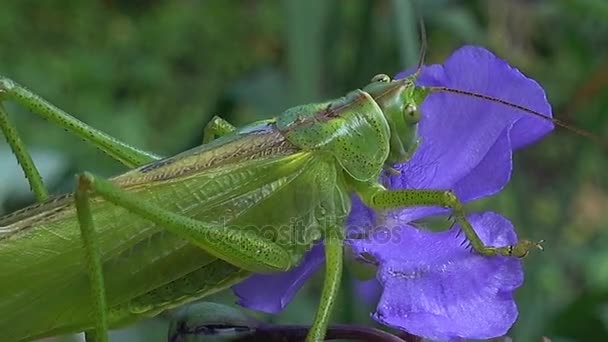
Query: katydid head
(400,102)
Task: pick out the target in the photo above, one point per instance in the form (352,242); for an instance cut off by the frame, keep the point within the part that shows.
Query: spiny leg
(122,152)
(377,197)
(23,157)
(217,127)
(242,248)
(333,275)
(93,262)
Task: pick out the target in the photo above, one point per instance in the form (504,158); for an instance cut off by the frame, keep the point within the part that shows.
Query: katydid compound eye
(411,113)
(381,78)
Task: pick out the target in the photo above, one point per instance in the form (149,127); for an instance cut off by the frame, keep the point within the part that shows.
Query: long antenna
(599,140)
(423,47)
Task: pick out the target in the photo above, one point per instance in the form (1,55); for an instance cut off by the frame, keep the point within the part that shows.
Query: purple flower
(433,286)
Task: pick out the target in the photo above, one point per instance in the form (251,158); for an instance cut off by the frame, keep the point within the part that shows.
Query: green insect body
(174,230)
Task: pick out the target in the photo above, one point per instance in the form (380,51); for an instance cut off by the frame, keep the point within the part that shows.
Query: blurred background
(152,73)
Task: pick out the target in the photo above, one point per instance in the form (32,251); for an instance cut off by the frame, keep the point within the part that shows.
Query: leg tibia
(23,157)
(124,153)
(376,197)
(93,263)
(333,275)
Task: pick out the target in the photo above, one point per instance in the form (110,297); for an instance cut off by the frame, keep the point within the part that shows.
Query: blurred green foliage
(153,72)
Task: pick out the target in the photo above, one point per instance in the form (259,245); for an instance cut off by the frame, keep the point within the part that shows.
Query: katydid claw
(523,247)
(539,245)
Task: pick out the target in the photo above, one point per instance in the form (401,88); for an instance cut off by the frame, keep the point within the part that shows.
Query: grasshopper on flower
(173,230)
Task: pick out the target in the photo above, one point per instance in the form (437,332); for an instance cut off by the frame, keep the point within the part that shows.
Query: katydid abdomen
(250,179)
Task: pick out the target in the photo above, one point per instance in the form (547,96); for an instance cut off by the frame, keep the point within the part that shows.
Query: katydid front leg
(376,196)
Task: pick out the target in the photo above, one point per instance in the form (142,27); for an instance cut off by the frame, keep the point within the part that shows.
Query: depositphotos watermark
(305,232)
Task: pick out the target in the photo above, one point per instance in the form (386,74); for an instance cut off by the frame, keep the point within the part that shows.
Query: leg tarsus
(216,127)
(333,275)
(520,249)
(93,261)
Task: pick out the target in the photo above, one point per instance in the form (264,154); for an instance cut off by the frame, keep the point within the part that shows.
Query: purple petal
(436,288)
(466,138)
(368,290)
(359,221)
(271,293)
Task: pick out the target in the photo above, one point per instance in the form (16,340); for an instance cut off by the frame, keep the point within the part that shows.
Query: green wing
(241,180)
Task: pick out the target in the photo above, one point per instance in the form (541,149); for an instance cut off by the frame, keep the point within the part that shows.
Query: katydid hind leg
(215,128)
(241,248)
(377,197)
(118,150)
(333,275)
(93,263)
(23,156)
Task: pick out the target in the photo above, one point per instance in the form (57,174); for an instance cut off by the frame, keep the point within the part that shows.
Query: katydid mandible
(174,230)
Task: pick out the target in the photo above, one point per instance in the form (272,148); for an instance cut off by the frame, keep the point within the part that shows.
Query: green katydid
(173,230)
